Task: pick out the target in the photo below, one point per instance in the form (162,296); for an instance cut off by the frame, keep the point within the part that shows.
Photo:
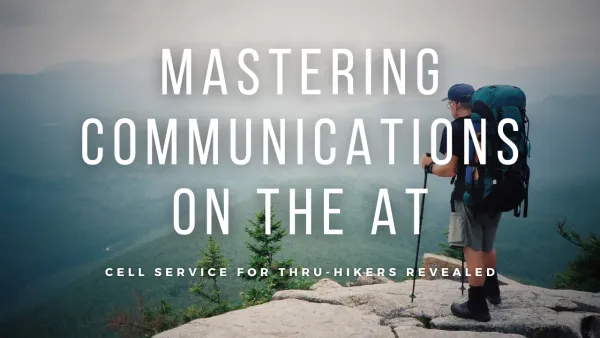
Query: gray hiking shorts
(477,232)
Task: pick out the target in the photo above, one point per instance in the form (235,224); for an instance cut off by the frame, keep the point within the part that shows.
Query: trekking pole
(462,275)
(412,296)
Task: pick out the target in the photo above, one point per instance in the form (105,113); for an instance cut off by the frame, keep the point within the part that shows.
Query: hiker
(474,233)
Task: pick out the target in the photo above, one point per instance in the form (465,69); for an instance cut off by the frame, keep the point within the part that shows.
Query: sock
(477,301)
(491,285)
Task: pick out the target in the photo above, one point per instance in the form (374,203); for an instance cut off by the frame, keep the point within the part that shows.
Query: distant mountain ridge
(87,87)
(40,130)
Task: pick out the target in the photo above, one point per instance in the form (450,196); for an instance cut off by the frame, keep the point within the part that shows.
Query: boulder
(370,280)
(325,284)
(526,310)
(378,307)
(285,318)
(386,310)
(432,262)
(411,332)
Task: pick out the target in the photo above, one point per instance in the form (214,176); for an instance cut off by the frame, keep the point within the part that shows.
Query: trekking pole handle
(428,155)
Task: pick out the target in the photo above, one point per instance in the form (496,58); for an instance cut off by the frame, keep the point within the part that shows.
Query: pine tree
(263,248)
(208,286)
(583,273)
(146,321)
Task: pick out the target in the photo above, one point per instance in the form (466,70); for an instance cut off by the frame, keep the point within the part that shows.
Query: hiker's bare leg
(489,259)
(475,266)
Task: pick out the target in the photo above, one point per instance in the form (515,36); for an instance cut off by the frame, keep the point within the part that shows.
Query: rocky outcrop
(526,310)
(285,318)
(369,280)
(325,284)
(431,262)
(382,308)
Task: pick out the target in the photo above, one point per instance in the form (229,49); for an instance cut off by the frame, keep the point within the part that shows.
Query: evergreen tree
(146,321)
(449,251)
(208,286)
(583,273)
(263,248)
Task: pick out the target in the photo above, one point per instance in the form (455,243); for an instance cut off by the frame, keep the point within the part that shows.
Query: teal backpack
(496,187)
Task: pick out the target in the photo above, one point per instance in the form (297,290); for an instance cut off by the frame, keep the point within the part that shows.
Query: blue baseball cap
(460,92)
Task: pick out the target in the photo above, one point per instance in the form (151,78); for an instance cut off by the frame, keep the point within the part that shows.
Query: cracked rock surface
(385,310)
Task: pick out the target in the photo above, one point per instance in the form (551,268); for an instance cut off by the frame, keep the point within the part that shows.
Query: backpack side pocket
(456,230)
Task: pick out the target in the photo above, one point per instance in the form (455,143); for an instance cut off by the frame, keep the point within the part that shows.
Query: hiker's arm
(446,170)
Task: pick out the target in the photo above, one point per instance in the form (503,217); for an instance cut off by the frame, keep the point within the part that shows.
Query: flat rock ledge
(385,310)
(433,266)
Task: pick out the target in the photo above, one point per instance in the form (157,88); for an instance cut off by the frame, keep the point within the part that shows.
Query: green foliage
(449,251)
(162,316)
(258,293)
(263,246)
(583,273)
(301,283)
(207,285)
(191,313)
(147,322)
(152,320)
(262,292)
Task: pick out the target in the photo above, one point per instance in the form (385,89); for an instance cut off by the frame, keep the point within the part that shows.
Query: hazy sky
(35,34)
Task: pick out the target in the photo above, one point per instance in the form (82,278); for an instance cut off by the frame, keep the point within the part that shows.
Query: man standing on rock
(474,233)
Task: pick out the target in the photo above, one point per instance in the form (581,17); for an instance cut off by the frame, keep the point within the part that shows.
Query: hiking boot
(492,289)
(475,308)
(494,300)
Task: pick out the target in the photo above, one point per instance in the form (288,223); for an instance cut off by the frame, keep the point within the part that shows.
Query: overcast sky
(35,34)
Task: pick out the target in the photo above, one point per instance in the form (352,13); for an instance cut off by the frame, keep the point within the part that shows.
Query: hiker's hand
(425,161)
